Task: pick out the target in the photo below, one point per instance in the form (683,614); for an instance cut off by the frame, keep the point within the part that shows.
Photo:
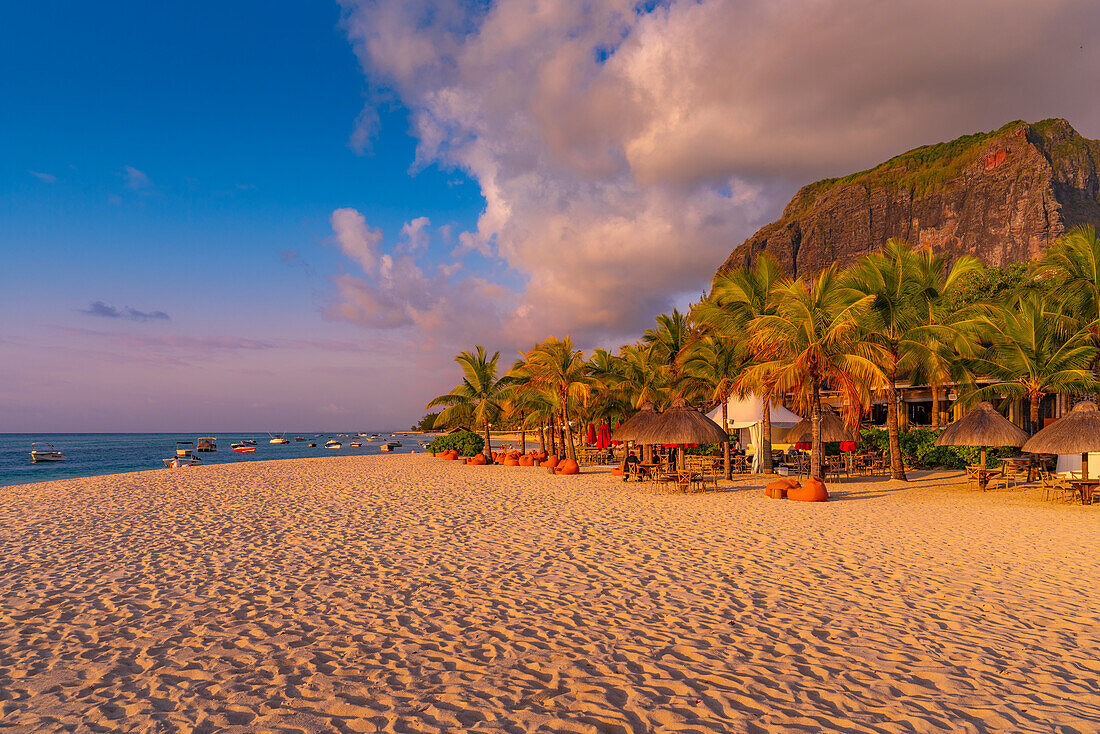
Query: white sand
(406,593)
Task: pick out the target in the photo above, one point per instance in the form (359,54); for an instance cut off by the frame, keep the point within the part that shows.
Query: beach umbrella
(833,428)
(681,424)
(590,437)
(628,431)
(1077,432)
(984,427)
(603,437)
(613,441)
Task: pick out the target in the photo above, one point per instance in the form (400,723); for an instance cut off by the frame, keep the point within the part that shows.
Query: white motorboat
(46,453)
(389,446)
(278,439)
(185,456)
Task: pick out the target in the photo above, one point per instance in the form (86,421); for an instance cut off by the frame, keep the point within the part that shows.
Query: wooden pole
(1085,466)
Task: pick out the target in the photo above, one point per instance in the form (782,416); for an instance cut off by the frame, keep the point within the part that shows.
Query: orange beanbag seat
(780,488)
(567,466)
(449,455)
(526,461)
(551,460)
(618,472)
(478,460)
(509,461)
(813,491)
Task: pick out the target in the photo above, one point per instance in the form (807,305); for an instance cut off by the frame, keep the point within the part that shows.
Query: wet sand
(405,593)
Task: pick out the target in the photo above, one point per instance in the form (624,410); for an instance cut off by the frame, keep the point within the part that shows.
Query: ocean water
(93,454)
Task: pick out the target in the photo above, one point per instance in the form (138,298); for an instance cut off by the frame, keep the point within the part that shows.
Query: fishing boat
(278,439)
(390,445)
(299,438)
(248,442)
(364,435)
(334,444)
(184,456)
(207,444)
(356,444)
(46,453)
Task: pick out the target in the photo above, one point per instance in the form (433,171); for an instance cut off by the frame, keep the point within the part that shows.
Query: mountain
(1001,196)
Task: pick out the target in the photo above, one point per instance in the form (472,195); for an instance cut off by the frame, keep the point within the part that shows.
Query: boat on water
(207,444)
(364,435)
(334,445)
(278,439)
(242,448)
(374,437)
(248,442)
(312,445)
(299,438)
(46,453)
(356,444)
(185,456)
(390,445)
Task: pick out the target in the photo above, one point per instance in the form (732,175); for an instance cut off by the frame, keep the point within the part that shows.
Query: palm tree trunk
(815,433)
(935,405)
(522,434)
(727,468)
(765,446)
(569,447)
(542,436)
(488,444)
(897,470)
(1035,427)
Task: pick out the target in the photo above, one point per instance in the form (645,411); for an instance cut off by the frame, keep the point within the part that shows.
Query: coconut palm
(736,299)
(902,318)
(666,341)
(710,368)
(1072,265)
(815,339)
(480,396)
(1035,350)
(558,368)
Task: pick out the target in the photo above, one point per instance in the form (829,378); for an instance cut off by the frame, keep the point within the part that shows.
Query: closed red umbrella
(617,424)
(591,437)
(603,437)
(804,445)
(847,445)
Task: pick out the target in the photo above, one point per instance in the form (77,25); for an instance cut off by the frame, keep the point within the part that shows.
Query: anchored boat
(46,453)
(207,444)
(334,445)
(184,456)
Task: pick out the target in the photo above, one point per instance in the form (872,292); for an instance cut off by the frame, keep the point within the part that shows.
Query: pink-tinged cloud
(623,152)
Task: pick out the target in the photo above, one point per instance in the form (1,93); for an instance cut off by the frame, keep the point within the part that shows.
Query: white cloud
(136,180)
(47,177)
(624,152)
(416,235)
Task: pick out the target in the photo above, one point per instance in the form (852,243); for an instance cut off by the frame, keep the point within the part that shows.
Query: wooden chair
(835,466)
(1055,486)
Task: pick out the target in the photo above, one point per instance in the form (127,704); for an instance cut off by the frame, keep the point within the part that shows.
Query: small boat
(237,449)
(334,445)
(184,456)
(299,438)
(364,435)
(374,437)
(390,445)
(248,442)
(278,439)
(356,444)
(47,453)
(312,445)
(342,435)
(207,444)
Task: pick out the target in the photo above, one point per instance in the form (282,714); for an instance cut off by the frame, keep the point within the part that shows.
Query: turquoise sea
(93,454)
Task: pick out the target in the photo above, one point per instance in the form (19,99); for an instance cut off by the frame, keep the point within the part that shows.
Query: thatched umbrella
(833,428)
(1077,432)
(983,427)
(681,424)
(629,429)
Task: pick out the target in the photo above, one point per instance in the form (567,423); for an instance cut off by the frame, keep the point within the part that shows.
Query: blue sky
(190,242)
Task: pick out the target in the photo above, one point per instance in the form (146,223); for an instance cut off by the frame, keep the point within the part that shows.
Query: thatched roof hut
(982,426)
(833,428)
(629,429)
(680,424)
(1077,432)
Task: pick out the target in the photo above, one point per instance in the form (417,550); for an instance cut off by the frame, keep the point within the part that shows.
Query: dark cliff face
(1001,196)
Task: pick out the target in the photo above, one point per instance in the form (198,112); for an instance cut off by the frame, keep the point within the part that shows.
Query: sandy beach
(405,593)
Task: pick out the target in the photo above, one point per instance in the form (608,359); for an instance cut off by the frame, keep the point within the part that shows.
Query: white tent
(746,414)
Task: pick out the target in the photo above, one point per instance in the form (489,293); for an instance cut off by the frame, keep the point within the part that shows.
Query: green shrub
(705,449)
(466,443)
(919,450)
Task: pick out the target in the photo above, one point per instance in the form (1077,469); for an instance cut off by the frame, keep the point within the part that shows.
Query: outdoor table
(1085,488)
(1019,464)
(984,475)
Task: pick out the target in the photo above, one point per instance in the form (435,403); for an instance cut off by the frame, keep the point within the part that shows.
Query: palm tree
(710,367)
(480,396)
(814,339)
(555,366)
(736,299)
(902,318)
(1072,265)
(1035,350)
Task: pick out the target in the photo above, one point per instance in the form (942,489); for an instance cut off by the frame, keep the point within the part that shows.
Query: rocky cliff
(1002,196)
